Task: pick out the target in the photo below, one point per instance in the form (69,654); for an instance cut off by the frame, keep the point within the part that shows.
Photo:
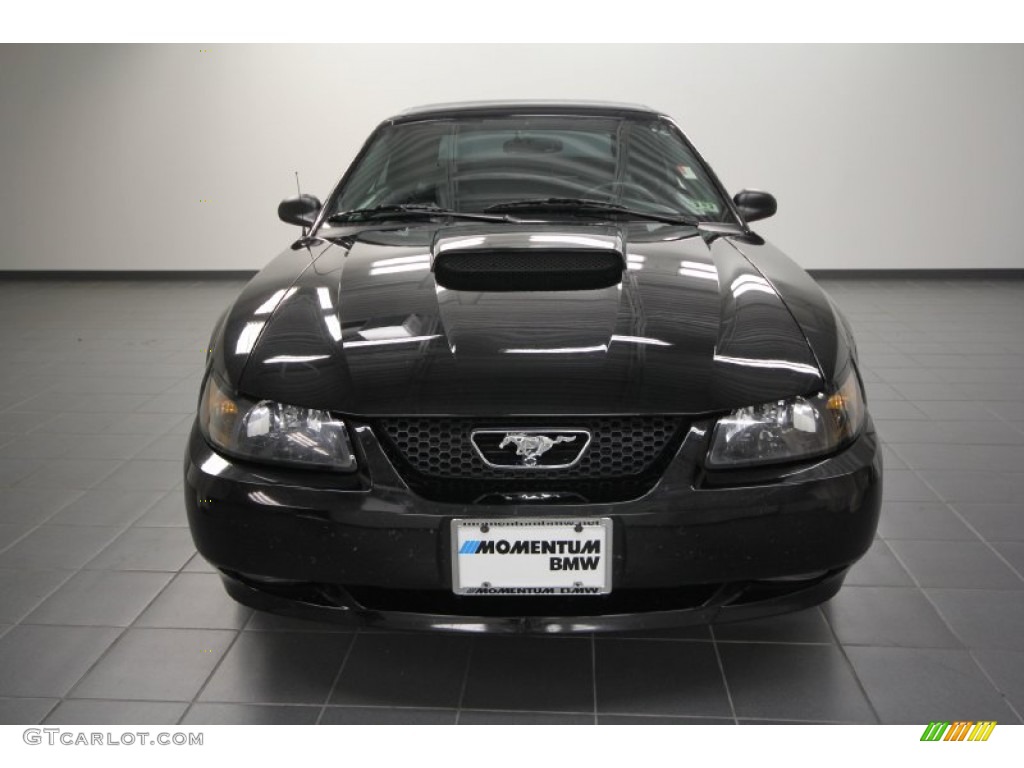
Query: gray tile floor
(107,615)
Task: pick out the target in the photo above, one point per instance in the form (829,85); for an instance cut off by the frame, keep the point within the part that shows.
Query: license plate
(532,556)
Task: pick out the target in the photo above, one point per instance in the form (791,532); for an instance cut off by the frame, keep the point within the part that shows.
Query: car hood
(365,329)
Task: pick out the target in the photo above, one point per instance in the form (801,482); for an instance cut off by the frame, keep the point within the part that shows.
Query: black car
(529,369)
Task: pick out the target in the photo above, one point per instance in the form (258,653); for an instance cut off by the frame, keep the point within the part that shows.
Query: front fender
(826,330)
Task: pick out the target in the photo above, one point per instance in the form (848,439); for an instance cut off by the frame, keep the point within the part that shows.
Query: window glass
(471,164)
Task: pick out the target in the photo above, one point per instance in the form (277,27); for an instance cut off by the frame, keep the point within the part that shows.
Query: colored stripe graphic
(982,730)
(959,730)
(934,731)
(469,547)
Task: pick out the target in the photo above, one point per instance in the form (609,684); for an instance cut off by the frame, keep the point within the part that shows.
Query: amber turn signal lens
(220,414)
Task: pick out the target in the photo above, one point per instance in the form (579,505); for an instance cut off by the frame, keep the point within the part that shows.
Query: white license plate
(532,556)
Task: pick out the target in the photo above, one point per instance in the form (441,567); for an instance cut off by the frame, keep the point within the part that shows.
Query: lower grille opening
(446,603)
(526,497)
(730,597)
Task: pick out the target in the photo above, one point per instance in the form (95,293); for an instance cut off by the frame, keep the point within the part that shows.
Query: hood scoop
(561,259)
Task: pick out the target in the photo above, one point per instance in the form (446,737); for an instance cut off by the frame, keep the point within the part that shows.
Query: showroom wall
(139,157)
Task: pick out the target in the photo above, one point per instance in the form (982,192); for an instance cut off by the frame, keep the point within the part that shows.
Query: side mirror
(301,210)
(755,204)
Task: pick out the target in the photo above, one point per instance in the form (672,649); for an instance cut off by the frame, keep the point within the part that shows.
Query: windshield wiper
(408,210)
(586,205)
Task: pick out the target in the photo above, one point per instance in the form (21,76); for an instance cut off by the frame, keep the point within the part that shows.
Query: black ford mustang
(529,369)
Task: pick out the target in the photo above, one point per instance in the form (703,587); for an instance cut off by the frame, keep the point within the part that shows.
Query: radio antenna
(299,190)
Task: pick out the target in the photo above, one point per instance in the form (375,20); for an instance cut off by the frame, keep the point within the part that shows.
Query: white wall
(881,156)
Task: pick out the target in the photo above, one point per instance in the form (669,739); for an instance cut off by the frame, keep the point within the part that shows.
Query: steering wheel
(617,187)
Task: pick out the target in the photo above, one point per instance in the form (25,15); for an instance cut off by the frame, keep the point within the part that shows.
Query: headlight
(798,428)
(268,431)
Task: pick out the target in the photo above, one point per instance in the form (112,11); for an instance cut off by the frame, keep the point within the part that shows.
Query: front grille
(625,458)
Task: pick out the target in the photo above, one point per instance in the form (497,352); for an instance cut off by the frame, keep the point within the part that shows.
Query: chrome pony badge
(531,448)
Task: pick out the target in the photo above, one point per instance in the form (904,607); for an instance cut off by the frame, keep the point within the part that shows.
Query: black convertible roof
(539,107)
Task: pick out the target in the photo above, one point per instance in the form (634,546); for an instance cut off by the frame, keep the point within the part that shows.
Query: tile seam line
(853,670)
(209,677)
(721,671)
(337,675)
(465,679)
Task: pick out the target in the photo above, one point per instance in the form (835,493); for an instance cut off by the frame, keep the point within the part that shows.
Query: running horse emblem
(532,447)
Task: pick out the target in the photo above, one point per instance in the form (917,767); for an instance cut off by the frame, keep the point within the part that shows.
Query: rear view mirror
(301,211)
(755,204)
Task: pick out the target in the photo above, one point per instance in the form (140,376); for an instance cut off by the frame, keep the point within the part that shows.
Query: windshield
(470,165)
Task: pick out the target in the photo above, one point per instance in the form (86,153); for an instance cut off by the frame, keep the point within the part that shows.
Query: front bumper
(368,549)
